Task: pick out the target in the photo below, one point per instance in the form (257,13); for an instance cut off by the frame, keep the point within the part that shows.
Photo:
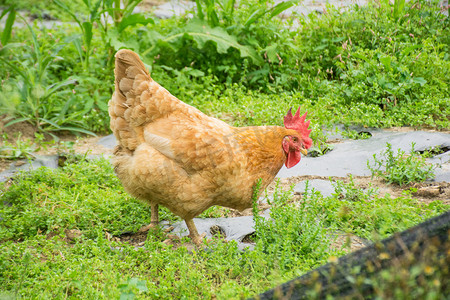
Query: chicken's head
(294,145)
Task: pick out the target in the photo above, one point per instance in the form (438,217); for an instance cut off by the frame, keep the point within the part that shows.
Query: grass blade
(6,35)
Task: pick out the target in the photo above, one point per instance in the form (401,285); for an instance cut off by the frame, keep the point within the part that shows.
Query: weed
(401,168)
(39,101)
(355,135)
(367,214)
(304,235)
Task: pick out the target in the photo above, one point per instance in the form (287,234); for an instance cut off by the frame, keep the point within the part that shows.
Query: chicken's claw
(198,240)
(148,227)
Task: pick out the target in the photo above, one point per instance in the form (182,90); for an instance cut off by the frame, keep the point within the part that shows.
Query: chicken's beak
(304,151)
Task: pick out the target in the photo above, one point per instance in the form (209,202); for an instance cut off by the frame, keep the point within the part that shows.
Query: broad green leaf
(112,36)
(271,52)
(133,20)
(360,56)
(386,61)
(203,33)
(419,80)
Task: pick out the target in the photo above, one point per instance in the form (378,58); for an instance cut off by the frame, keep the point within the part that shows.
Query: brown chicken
(172,154)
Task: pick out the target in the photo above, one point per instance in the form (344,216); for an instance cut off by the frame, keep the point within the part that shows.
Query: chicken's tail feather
(137,99)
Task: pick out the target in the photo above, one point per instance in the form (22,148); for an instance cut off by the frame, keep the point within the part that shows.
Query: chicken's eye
(295,139)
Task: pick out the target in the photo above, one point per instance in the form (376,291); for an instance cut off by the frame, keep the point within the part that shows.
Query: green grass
(38,261)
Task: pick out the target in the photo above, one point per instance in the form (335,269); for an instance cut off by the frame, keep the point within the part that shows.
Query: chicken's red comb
(298,123)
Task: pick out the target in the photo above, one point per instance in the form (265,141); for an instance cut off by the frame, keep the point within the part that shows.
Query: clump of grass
(368,214)
(304,235)
(401,168)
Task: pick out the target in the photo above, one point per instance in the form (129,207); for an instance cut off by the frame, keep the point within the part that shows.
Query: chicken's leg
(154,219)
(193,233)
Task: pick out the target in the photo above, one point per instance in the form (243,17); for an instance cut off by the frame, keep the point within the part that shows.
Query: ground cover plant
(401,168)
(57,232)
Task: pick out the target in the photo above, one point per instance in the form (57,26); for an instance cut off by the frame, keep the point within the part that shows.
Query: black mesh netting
(413,264)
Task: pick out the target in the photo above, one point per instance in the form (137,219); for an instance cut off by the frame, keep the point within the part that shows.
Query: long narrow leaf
(254,16)
(95,10)
(87,33)
(69,11)
(6,35)
(128,10)
(76,129)
(17,121)
(77,44)
(280,7)
(19,71)
(200,14)
(56,86)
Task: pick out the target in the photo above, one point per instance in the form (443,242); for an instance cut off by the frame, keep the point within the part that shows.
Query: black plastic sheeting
(352,276)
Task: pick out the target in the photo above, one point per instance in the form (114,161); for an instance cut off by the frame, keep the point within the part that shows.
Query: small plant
(22,148)
(131,287)
(368,214)
(40,100)
(351,192)
(304,234)
(100,14)
(401,168)
(356,135)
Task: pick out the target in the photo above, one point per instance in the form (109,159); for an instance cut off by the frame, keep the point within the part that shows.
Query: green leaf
(68,10)
(113,38)
(386,61)
(280,7)
(398,8)
(271,52)
(6,35)
(87,32)
(17,121)
(360,56)
(203,33)
(200,14)
(419,80)
(56,86)
(254,16)
(135,19)
(74,129)
(407,50)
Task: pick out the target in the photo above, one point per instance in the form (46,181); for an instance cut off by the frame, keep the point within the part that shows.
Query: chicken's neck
(263,146)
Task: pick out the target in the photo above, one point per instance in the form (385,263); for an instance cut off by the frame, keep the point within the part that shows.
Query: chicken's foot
(193,233)
(154,219)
